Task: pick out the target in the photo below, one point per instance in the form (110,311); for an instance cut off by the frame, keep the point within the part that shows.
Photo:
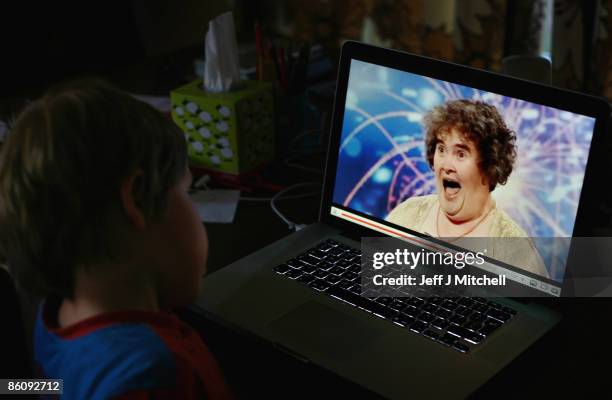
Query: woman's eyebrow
(463,147)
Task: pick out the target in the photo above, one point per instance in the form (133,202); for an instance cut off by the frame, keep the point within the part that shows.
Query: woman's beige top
(416,214)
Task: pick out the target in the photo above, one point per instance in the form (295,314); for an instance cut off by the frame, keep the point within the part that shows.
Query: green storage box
(231,132)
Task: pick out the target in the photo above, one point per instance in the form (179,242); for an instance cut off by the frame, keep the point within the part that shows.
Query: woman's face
(463,191)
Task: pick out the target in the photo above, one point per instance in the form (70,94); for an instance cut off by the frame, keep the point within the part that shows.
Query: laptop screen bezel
(586,217)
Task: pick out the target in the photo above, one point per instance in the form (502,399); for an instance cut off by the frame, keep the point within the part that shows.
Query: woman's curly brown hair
(481,123)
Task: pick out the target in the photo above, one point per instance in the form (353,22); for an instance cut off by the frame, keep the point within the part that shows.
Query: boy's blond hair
(61,170)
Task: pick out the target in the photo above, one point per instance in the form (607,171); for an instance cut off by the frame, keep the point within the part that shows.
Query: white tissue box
(230,131)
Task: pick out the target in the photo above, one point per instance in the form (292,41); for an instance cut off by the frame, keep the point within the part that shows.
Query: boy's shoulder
(112,355)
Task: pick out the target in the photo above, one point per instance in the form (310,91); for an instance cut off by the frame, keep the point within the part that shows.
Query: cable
(290,224)
(201,183)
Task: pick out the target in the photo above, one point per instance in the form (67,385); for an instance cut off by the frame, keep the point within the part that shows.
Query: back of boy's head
(61,171)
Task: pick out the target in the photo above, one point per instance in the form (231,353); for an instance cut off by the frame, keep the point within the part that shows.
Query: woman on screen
(471,151)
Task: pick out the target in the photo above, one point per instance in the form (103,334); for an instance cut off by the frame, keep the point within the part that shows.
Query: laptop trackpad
(314,327)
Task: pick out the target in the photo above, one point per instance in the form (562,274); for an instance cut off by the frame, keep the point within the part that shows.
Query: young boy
(96,217)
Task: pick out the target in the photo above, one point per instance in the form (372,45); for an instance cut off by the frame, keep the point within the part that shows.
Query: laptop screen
(427,156)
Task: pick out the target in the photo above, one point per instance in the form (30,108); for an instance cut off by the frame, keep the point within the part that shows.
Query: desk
(574,357)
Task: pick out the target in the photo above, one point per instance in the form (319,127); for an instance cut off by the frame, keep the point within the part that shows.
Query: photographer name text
(440,280)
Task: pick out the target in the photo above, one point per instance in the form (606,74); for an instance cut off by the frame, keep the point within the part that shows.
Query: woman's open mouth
(451,187)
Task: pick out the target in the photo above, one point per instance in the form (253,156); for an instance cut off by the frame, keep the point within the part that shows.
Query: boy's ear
(131,202)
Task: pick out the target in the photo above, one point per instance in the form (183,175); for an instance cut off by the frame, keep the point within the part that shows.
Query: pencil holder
(231,131)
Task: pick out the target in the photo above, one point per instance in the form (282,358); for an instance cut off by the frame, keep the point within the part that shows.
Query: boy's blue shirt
(116,355)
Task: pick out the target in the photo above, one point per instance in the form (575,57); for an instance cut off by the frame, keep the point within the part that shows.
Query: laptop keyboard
(457,322)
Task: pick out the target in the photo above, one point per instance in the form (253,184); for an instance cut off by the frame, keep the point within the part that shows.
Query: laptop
(304,293)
